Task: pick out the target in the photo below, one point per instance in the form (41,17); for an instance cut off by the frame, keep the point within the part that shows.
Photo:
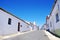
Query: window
(57,17)
(58,6)
(47,25)
(9,21)
(50,24)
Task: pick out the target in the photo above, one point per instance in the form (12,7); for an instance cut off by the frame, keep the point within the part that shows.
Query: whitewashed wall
(53,17)
(55,11)
(45,27)
(5,28)
(35,27)
(25,27)
(47,24)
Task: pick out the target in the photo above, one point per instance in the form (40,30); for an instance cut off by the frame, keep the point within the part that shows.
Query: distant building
(44,27)
(33,26)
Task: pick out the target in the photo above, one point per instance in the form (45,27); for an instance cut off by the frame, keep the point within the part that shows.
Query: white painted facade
(51,22)
(34,26)
(6,29)
(44,27)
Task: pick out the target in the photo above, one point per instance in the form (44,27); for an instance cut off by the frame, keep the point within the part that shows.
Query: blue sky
(29,10)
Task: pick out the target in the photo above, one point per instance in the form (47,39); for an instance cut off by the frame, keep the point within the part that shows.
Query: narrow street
(33,35)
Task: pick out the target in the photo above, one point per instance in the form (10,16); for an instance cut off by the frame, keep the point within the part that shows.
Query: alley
(33,35)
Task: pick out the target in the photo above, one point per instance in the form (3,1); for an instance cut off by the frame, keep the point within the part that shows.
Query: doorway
(18,26)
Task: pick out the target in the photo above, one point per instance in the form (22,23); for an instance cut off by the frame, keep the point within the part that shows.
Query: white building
(44,27)
(53,21)
(10,24)
(34,26)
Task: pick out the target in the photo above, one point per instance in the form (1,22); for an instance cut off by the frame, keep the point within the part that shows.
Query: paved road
(34,35)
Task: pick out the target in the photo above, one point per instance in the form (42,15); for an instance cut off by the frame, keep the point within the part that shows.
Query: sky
(29,10)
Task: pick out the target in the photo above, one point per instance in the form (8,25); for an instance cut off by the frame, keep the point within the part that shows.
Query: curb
(54,34)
